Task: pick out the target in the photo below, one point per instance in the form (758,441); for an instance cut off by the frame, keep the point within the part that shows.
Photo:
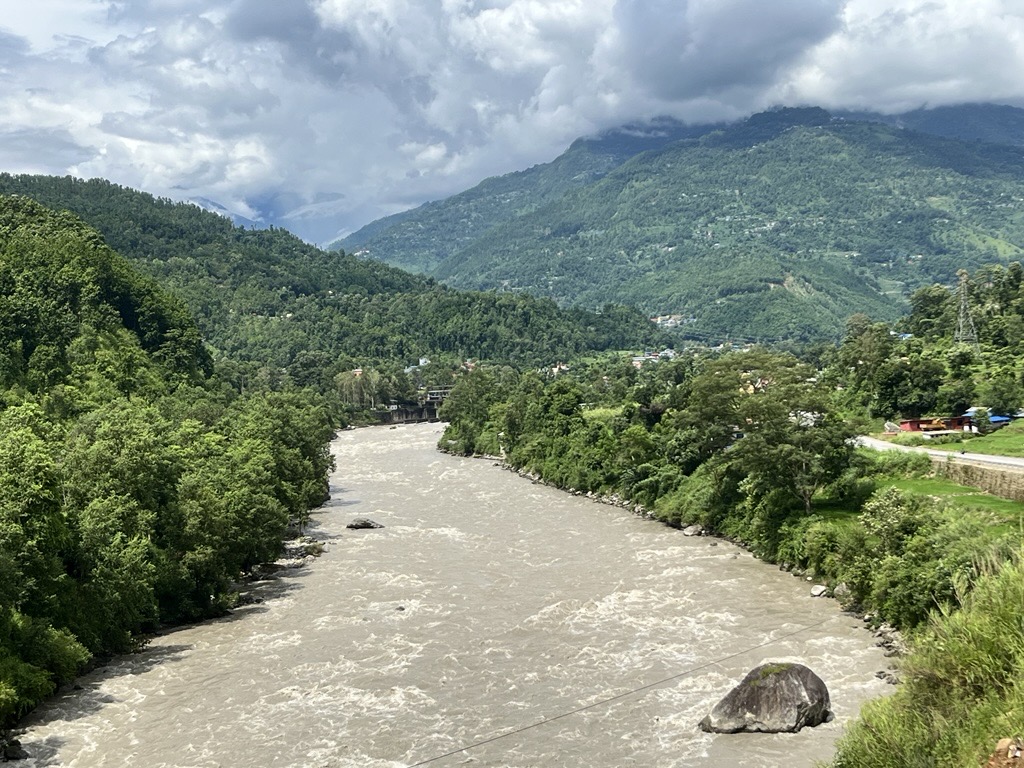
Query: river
(491,622)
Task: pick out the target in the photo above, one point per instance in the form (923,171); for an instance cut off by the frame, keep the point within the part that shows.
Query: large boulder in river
(772,698)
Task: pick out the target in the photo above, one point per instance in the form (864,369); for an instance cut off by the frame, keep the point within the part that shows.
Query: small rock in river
(12,750)
(363,522)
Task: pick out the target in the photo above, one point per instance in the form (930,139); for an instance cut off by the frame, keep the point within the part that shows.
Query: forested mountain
(266,298)
(777,227)
(992,123)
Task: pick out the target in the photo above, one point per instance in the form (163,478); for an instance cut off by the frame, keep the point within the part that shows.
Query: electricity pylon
(966,333)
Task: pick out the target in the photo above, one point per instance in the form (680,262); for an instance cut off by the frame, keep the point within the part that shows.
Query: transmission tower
(966,333)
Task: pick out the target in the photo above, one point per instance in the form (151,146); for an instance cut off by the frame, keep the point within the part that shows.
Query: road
(954,456)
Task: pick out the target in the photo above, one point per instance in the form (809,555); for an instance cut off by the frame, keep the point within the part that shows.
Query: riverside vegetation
(136,482)
(756,445)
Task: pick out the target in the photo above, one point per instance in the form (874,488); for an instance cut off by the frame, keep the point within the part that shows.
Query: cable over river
(491,622)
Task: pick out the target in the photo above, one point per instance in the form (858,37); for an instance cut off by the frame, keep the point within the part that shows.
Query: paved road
(955,456)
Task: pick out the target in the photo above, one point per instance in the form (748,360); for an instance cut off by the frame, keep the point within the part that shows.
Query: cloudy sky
(322,115)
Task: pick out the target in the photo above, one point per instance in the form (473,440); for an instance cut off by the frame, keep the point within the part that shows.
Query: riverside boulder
(778,697)
(1009,754)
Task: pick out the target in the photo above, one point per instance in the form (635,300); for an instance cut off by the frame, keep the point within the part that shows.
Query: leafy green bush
(912,552)
(814,543)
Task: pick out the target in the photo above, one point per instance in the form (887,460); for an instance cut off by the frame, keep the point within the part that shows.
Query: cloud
(33,150)
(678,51)
(904,54)
(328,113)
(13,49)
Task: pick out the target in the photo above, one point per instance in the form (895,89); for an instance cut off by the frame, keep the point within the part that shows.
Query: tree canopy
(136,483)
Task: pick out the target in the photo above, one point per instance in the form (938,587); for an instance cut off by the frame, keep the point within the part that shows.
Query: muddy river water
(491,622)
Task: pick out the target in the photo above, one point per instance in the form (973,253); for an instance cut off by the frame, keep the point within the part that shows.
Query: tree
(792,443)
(907,386)
(1002,395)
(932,312)
(467,409)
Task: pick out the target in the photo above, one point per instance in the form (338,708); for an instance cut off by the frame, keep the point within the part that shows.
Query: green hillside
(778,227)
(993,123)
(420,239)
(67,299)
(266,298)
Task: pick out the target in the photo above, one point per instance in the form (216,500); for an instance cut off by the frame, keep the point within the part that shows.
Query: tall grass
(963,686)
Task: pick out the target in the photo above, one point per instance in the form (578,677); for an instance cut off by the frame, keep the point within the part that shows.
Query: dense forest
(757,445)
(272,303)
(778,227)
(136,482)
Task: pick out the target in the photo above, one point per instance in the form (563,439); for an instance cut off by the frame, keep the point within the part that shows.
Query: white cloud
(331,112)
(903,54)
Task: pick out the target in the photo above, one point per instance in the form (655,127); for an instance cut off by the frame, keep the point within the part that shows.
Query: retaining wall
(1005,482)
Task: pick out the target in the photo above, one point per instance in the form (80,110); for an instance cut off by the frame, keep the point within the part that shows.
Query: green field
(989,508)
(1008,441)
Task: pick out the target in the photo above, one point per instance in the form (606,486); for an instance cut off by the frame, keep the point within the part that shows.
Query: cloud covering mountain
(321,115)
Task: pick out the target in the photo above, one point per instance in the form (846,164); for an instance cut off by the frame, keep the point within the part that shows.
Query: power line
(610,699)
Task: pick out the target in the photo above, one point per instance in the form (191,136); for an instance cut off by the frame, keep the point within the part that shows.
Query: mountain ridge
(267,299)
(845,216)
